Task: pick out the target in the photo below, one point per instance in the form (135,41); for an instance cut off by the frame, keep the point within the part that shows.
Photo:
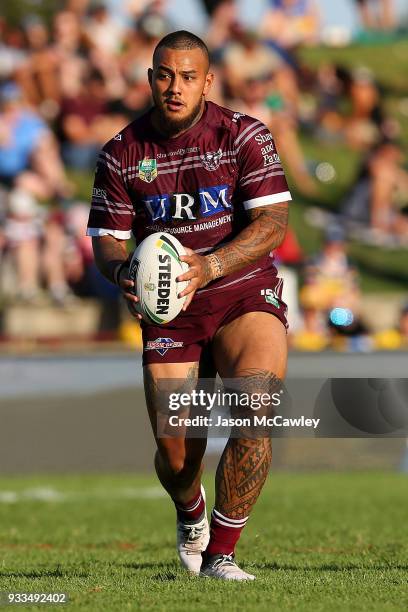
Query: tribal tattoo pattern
(245,463)
(265,233)
(241,474)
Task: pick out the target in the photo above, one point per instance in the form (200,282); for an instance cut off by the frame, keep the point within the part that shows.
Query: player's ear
(150,76)
(208,82)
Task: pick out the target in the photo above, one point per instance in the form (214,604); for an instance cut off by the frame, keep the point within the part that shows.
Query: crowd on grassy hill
(66,87)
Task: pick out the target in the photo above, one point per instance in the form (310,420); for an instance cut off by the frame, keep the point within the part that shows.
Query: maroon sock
(224,533)
(191,512)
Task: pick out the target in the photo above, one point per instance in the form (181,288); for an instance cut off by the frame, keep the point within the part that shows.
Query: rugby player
(213,178)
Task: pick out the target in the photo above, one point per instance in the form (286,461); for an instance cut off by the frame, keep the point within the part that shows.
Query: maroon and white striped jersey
(197,186)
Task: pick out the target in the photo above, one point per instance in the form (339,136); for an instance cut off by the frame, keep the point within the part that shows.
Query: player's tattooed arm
(264,233)
(110,257)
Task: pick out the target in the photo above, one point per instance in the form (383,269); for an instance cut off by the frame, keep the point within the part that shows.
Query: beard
(172,126)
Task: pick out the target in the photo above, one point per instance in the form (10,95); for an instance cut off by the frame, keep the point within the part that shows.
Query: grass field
(324,542)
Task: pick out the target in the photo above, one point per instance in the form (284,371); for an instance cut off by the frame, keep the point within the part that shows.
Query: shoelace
(225,560)
(192,533)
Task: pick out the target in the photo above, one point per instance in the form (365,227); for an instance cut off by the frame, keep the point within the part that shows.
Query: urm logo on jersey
(182,207)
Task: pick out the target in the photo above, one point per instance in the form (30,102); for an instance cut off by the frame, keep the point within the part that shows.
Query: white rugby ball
(154,267)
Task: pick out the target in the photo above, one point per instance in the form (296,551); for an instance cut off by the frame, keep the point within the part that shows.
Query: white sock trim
(227,521)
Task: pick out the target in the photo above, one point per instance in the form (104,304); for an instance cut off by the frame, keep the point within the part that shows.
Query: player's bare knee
(178,466)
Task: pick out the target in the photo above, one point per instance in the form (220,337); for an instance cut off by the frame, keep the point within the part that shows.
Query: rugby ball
(154,267)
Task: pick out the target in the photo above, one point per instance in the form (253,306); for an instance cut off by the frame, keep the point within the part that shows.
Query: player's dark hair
(182,40)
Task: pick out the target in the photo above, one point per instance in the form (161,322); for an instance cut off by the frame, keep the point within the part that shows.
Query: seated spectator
(224,17)
(31,169)
(350,107)
(38,76)
(259,97)
(395,338)
(377,14)
(23,231)
(331,290)
(11,56)
(330,280)
(366,122)
(312,334)
(68,49)
(245,59)
(140,44)
(81,122)
(29,157)
(290,23)
(375,206)
(102,31)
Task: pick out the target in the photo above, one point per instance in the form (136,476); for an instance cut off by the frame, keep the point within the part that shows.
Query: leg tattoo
(245,463)
(241,474)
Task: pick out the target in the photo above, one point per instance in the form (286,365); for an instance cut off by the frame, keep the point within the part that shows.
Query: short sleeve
(261,177)
(111,208)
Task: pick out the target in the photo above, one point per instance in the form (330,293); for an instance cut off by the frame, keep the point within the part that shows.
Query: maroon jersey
(197,186)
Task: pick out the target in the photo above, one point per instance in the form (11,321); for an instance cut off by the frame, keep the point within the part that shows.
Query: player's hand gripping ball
(154,268)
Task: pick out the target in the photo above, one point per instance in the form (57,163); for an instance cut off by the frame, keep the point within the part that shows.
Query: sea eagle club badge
(148,170)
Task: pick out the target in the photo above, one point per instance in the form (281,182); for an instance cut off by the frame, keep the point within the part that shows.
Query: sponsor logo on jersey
(262,138)
(270,159)
(162,345)
(236,116)
(211,161)
(99,193)
(268,155)
(182,207)
(117,137)
(179,151)
(271,297)
(147,170)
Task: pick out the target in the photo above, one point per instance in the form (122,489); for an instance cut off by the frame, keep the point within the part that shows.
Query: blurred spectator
(224,18)
(29,156)
(82,122)
(366,123)
(376,14)
(102,31)
(403,325)
(38,75)
(140,44)
(396,338)
(31,169)
(79,7)
(246,59)
(68,50)
(290,23)
(331,292)
(350,107)
(330,280)
(11,57)
(375,207)
(259,97)
(313,334)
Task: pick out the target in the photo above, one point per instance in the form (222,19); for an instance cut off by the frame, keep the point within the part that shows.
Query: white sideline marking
(48,494)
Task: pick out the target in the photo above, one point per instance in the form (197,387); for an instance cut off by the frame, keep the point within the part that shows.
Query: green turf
(320,542)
